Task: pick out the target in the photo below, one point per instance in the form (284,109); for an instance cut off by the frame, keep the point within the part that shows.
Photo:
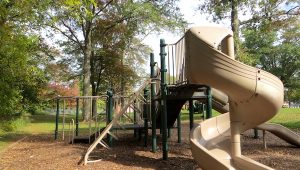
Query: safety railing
(71,107)
(175,62)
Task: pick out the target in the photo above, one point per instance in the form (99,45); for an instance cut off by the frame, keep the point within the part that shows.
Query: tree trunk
(87,72)
(235,26)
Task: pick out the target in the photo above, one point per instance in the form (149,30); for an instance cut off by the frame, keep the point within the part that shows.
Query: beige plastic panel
(254,95)
(276,129)
(219,96)
(281,132)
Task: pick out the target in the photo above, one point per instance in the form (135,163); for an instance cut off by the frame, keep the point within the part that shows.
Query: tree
(270,37)
(273,41)
(224,9)
(79,20)
(275,54)
(21,77)
(279,11)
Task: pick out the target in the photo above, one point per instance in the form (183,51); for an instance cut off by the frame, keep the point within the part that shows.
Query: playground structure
(246,96)
(65,106)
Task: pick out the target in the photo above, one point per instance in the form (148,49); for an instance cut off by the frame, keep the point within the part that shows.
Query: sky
(191,15)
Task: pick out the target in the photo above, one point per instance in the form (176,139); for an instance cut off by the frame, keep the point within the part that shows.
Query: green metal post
(146,114)
(209,103)
(139,135)
(179,127)
(256,136)
(203,110)
(109,114)
(77,115)
(134,119)
(163,99)
(191,113)
(169,132)
(56,119)
(153,114)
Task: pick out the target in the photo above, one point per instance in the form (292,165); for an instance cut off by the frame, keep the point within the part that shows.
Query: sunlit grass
(197,116)
(45,124)
(289,117)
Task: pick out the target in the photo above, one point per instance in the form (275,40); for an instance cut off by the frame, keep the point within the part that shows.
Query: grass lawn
(41,124)
(288,117)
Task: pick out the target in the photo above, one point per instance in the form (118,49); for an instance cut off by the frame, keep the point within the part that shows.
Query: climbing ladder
(115,122)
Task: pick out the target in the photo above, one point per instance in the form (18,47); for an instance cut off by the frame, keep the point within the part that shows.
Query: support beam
(56,119)
(77,116)
(256,136)
(109,114)
(146,114)
(209,103)
(153,114)
(163,99)
(191,113)
(179,128)
(169,132)
(134,118)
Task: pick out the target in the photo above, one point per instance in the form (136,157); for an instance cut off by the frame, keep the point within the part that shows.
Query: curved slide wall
(281,132)
(220,104)
(254,95)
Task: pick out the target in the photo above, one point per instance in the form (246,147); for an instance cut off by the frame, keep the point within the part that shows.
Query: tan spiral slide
(254,95)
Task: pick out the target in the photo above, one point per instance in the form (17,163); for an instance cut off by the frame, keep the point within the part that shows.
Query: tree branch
(288,12)
(100,10)
(65,34)
(257,18)
(116,23)
(76,40)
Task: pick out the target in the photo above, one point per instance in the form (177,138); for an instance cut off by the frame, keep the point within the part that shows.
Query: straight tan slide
(254,97)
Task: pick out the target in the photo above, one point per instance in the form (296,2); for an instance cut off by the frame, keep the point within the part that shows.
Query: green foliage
(109,48)
(279,55)
(13,124)
(270,37)
(21,78)
(293,92)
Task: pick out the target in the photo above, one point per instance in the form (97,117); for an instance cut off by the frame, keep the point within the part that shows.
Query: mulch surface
(42,152)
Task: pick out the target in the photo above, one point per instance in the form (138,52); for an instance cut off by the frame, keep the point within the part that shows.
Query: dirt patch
(42,152)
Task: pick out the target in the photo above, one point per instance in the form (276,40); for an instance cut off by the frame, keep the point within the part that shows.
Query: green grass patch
(288,117)
(9,130)
(197,116)
(13,124)
(40,124)
(45,124)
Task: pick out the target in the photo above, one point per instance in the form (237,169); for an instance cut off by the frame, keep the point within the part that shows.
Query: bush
(13,124)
